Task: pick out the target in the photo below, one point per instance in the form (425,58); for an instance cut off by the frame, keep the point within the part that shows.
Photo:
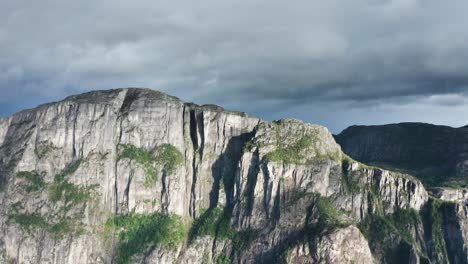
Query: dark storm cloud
(284,55)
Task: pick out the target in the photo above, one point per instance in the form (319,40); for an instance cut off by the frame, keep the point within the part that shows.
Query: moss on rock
(166,156)
(63,198)
(34,181)
(138,233)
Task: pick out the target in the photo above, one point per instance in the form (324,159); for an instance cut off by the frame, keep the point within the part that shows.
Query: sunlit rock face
(138,176)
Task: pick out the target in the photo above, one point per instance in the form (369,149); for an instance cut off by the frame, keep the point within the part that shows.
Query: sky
(334,63)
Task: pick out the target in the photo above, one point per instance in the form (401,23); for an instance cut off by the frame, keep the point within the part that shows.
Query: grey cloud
(335,54)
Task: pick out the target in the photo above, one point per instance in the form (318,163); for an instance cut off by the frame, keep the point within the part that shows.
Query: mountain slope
(137,176)
(436,154)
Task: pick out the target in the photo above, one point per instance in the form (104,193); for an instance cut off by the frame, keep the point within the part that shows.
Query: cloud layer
(272,58)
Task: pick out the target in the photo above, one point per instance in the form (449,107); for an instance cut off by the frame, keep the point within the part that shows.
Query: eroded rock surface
(345,245)
(137,176)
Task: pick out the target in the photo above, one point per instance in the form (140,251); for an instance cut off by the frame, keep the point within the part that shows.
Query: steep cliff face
(436,154)
(128,150)
(137,176)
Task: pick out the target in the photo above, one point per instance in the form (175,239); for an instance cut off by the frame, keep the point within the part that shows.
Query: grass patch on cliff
(28,221)
(295,147)
(64,197)
(347,159)
(223,259)
(169,157)
(139,233)
(58,230)
(290,154)
(44,148)
(34,181)
(215,222)
(328,217)
(61,190)
(141,156)
(376,228)
(166,155)
(351,186)
(249,146)
(207,224)
(435,227)
(390,237)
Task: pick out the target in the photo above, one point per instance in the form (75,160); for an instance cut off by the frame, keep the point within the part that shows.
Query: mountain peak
(98,96)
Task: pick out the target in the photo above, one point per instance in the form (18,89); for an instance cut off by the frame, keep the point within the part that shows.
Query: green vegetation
(138,233)
(44,148)
(392,235)
(376,228)
(62,190)
(207,223)
(377,202)
(348,183)
(294,146)
(212,222)
(165,155)
(328,216)
(35,182)
(215,222)
(63,197)
(455,182)
(242,239)
(169,157)
(352,186)
(292,153)
(28,221)
(223,259)
(58,230)
(436,222)
(70,169)
(295,196)
(141,156)
(249,146)
(348,160)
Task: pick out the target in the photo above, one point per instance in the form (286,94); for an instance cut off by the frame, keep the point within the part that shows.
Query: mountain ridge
(136,176)
(436,154)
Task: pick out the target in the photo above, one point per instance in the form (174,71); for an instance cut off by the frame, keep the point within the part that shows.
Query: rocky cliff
(137,176)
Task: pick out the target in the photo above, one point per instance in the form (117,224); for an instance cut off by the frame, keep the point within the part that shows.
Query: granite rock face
(345,245)
(449,194)
(137,176)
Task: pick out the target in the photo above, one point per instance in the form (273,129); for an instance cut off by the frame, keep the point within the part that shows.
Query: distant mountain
(438,155)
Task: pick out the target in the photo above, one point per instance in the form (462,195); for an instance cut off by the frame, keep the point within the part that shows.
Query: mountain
(137,176)
(436,154)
